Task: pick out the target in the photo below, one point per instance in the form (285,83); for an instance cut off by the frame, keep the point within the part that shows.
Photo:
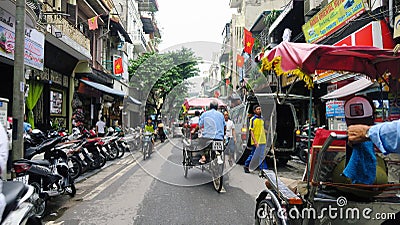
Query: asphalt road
(133,191)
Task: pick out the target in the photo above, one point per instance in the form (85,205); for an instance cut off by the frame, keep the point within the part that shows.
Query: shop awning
(117,25)
(133,100)
(103,88)
(349,89)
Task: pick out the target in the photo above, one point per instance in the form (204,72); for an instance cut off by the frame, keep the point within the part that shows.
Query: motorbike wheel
(115,149)
(75,167)
(217,173)
(39,203)
(121,151)
(266,213)
(99,161)
(71,190)
(144,151)
(112,153)
(185,163)
(303,155)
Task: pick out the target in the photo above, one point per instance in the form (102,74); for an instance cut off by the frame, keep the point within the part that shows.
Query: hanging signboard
(332,17)
(334,109)
(34,42)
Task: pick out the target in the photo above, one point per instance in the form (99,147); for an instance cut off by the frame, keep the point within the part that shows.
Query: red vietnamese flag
(92,22)
(239,60)
(248,41)
(118,68)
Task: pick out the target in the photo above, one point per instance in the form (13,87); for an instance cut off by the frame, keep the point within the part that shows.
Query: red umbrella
(303,59)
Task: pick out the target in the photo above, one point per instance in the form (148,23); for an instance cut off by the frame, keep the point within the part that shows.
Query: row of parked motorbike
(54,160)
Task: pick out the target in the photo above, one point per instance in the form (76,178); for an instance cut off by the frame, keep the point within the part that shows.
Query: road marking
(106,184)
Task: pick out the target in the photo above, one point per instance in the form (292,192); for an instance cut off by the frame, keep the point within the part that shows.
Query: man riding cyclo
(213,124)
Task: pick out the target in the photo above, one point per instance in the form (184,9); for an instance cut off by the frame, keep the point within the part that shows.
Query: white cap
(358,107)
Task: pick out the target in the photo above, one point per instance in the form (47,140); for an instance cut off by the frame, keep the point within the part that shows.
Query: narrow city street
(133,191)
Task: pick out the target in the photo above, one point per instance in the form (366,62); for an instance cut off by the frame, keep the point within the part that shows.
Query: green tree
(157,74)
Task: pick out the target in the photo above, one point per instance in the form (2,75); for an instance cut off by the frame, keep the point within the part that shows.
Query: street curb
(89,174)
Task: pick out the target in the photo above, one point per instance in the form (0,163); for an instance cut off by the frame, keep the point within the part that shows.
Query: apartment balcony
(59,29)
(139,41)
(148,5)
(100,6)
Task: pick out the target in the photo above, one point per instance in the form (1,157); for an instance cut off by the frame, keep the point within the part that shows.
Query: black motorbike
(49,176)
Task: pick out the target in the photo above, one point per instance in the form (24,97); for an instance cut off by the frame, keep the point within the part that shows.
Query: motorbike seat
(13,191)
(40,162)
(45,145)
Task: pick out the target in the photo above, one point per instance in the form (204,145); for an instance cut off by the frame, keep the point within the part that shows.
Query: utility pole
(18,106)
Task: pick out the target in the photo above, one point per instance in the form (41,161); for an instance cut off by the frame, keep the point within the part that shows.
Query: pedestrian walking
(100,127)
(230,137)
(258,141)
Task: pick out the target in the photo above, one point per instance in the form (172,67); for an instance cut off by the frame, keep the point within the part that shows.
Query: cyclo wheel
(266,213)
(185,163)
(217,171)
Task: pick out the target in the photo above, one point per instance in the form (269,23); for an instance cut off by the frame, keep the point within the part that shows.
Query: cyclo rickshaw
(324,195)
(194,147)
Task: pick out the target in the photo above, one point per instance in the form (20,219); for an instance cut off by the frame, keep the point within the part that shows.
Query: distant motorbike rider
(149,127)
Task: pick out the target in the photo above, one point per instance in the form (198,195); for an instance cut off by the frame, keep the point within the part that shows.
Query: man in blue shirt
(385,136)
(213,122)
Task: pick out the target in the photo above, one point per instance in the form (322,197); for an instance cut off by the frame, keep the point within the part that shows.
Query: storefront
(34,49)
(100,100)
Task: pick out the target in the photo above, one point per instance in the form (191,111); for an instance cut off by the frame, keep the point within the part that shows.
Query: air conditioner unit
(311,7)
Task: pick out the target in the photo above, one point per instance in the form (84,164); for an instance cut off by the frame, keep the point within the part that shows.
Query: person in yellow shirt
(258,140)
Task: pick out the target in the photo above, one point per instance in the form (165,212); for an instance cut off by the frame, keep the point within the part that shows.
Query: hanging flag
(185,106)
(118,68)
(239,60)
(248,41)
(92,22)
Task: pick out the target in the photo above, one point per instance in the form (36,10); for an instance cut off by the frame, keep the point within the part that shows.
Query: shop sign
(396,32)
(334,109)
(34,42)
(332,17)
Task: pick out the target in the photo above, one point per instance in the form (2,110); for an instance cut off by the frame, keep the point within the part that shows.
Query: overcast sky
(182,21)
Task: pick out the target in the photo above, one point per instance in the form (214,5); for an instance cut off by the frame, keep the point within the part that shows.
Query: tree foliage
(155,75)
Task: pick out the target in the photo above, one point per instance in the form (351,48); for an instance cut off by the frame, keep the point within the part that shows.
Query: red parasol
(302,59)
(203,102)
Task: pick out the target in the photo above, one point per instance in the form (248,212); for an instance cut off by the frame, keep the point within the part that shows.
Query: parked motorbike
(302,138)
(19,209)
(49,176)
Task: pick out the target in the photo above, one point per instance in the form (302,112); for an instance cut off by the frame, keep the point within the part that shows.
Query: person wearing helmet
(214,126)
(150,127)
(360,157)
